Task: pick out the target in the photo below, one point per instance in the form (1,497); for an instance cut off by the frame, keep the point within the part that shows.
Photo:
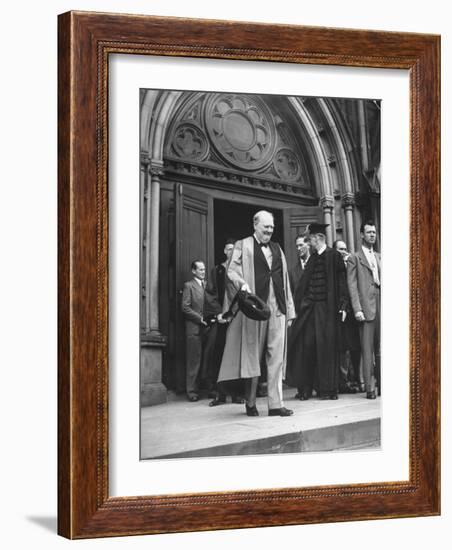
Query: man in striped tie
(364,283)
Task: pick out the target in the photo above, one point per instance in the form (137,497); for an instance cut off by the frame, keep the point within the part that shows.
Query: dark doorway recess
(234,220)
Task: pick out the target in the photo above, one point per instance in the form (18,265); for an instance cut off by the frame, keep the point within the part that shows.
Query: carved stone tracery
(189,142)
(241,129)
(237,134)
(287,165)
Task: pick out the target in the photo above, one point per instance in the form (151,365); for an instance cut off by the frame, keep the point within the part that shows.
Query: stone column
(145,233)
(363,136)
(153,391)
(156,170)
(348,204)
(144,200)
(327,203)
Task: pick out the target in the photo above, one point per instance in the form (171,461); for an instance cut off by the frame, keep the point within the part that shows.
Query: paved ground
(182,429)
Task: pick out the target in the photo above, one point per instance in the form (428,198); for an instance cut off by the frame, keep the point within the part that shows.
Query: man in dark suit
(214,347)
(364,282)
(199,309)
(320,302)
(349,373)
(303,250)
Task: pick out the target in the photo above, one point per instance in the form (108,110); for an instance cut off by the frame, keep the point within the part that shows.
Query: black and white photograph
(203,206)
(260,274)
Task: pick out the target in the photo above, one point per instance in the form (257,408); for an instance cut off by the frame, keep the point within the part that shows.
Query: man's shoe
(217,401)
(348,389)
(193,398)
(238,399)
(251,411)
(302,395)
(326,396)
(371,395)
(280,412)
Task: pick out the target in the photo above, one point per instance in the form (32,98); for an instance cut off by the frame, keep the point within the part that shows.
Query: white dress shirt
(200,282)
(370,256)
(266,250)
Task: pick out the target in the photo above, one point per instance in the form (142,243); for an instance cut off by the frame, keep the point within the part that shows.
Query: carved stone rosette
(189,142)
(287,165)
(242,130)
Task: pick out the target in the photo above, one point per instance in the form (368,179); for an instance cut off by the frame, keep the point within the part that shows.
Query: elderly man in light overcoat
(258,265)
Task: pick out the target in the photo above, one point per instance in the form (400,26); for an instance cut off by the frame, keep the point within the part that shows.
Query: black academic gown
(327,372)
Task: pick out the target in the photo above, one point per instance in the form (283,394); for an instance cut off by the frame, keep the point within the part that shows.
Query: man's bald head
(263,225)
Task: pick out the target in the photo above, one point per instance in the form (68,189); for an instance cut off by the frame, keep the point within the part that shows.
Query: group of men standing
(317,309)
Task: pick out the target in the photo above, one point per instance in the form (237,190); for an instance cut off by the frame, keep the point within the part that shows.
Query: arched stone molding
(147,107)
(342,158)
(345,164)
(323,181)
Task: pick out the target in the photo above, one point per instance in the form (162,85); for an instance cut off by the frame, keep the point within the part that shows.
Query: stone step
(180,429)
(364,434)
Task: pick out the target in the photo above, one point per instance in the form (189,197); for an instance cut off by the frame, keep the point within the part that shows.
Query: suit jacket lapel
(199,291)
(363,259)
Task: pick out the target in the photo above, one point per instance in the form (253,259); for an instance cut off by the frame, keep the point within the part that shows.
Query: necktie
(373,265)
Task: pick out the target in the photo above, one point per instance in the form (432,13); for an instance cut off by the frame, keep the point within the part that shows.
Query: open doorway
(234,220)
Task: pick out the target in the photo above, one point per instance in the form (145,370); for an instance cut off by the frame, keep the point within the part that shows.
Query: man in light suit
(364,283)
(258,265)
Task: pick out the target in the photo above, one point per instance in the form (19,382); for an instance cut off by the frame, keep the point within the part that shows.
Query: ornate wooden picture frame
(86,40)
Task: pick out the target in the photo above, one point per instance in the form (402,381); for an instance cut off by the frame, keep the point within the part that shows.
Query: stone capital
(144,159)
(156,167)
(327,202)
(348,200)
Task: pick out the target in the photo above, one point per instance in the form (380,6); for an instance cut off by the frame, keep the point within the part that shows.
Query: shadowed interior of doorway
(234,220)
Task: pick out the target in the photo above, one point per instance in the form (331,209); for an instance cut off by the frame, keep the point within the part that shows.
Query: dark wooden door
(194,241)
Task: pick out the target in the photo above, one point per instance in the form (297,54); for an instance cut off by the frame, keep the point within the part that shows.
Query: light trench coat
(241,352)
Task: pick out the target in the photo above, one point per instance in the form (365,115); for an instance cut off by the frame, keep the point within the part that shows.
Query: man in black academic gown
(321,301)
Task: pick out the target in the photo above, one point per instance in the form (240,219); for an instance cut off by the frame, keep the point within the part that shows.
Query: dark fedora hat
(252,306)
